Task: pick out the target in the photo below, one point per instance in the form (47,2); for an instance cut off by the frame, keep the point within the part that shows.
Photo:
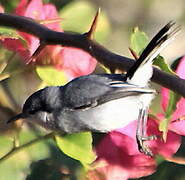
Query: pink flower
(74,62)
(123,160)
(177,123)
(119,148)
(77,62)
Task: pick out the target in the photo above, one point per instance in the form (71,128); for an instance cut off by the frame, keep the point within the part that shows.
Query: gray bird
(100,102)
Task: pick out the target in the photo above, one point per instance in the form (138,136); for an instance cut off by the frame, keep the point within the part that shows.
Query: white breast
(115,114)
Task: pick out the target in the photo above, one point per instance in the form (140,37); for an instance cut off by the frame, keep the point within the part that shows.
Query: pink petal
(77,62)
(34,43)
(115,149)
(165,92)
(180,109)
(130,131)
(1,9)
(119,150)
(35,10)
(164,98)
(50,13)
(142,166)
(178,127)
(180,106)
(21,7)
(181,68)
(167,148)
(15,45)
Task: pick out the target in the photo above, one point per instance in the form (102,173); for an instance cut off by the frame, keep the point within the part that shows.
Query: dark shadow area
(57,166)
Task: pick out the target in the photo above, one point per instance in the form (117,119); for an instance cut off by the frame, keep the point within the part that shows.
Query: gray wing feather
(93,90)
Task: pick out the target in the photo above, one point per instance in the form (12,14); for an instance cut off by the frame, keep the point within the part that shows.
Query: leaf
(34,153)
(138,41)
(160,62)
(78,146)
(8,33)
(173,97)
(11,34)
(163,127)
(51,76)
(11,39)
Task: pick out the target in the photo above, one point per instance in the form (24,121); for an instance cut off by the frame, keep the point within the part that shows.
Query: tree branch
(15,150)
(104,56)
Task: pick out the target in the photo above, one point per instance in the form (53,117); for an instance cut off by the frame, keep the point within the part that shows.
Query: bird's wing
(93,90)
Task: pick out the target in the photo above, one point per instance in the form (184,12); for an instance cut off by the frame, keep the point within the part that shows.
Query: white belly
(115,114)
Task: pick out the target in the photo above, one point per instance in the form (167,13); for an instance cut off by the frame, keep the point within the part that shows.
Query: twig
(15,149)
(104,56)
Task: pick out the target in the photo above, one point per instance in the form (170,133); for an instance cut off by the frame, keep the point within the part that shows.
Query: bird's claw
(142,146)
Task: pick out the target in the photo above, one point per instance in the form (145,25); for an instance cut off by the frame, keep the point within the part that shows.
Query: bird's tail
(141,72)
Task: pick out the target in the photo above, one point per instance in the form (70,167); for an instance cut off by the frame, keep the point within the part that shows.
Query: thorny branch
(83,41)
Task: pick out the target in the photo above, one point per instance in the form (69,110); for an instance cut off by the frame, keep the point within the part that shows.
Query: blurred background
(114,28)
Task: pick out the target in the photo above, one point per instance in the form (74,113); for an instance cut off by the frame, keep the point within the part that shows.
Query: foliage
(76,145)
(50,156)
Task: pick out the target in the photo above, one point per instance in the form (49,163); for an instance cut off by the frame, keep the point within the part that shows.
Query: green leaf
(24,157)
(51,76)
(9,33)
(138,41)
(163,127)
(173,97)
(12,34)
(77,146)
(160,62)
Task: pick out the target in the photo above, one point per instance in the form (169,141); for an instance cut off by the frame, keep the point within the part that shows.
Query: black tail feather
(157,40)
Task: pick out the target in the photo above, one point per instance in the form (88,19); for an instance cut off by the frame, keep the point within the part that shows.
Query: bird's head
(39,106)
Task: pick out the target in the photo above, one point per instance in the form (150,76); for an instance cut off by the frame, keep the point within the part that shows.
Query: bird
(101,102)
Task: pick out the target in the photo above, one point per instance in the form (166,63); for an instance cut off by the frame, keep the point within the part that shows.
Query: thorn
(133,53)
(90,33)
(36,53)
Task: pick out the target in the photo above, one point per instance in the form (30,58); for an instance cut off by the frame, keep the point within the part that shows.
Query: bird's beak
(15,118)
